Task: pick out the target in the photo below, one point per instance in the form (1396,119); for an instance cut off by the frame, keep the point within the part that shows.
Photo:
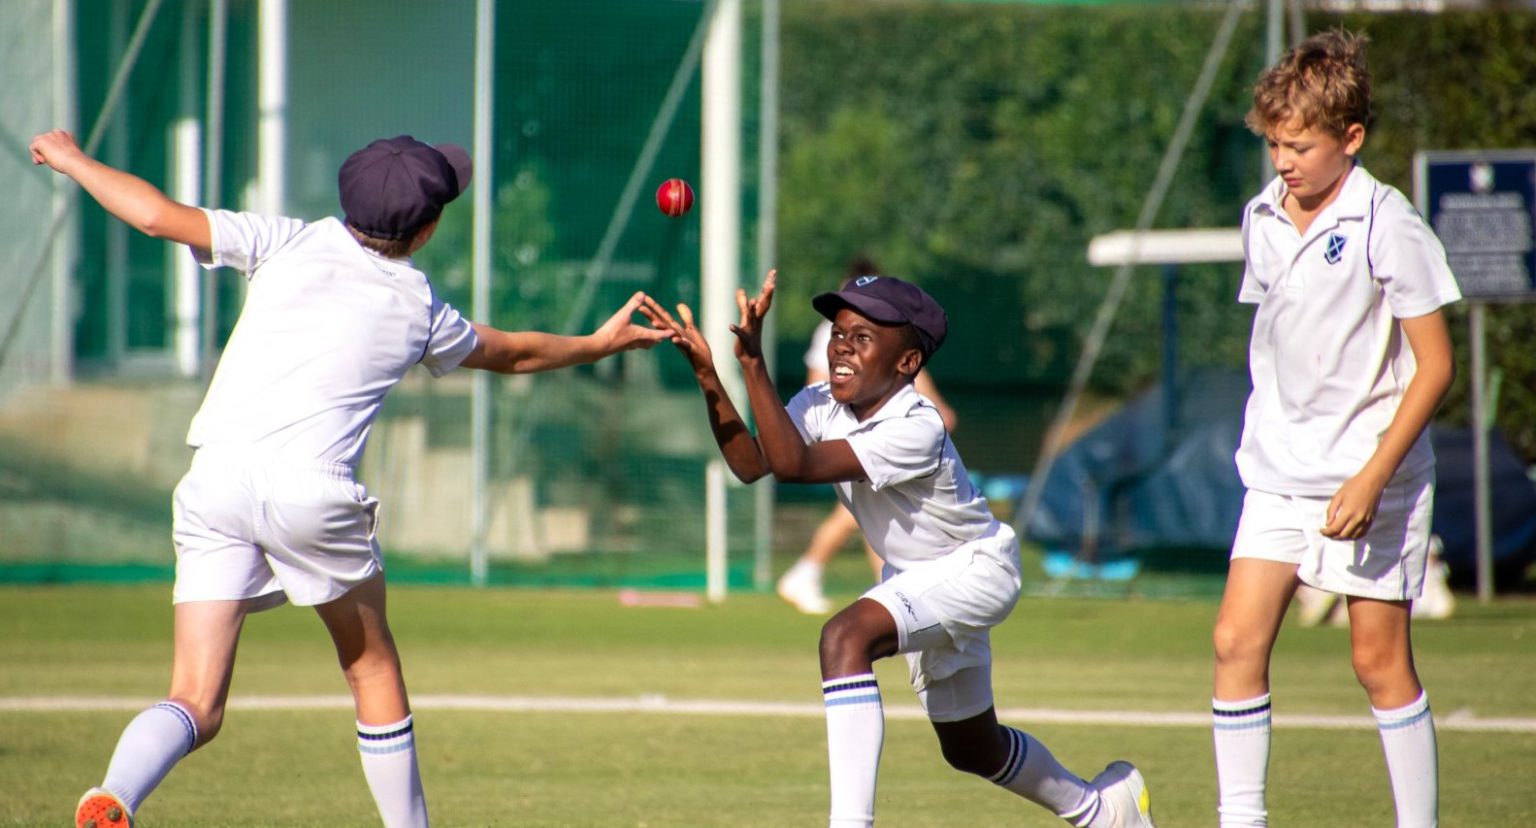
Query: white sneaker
(802,589)
(1124,792)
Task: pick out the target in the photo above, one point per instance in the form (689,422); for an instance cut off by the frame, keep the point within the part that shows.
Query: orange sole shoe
(99,808)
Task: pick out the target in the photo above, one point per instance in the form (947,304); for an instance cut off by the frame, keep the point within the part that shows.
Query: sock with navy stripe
(1241,729)
(1032,772)
(855,734)
(150,746)
(389,763)
(1408,739)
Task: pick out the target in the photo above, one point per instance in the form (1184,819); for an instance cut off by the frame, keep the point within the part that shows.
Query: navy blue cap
(891,301)
(395,186)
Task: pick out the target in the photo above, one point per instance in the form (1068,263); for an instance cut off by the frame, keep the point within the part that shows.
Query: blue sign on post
(1482,205)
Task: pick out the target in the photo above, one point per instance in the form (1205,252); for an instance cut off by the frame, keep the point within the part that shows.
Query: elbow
(791,473)
(152,222)
(749,476)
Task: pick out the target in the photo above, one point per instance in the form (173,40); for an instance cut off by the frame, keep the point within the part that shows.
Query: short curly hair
(1324,81)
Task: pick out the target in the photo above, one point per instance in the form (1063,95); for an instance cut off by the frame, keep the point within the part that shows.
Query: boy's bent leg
(1021,764)
(206,634)
(850,643)
(1383,660)
(1252,608)
(386,739)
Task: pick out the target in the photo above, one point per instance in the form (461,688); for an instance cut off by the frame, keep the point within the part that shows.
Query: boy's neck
(1303,211)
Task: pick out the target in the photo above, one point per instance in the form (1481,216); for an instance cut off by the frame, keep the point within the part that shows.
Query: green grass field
(661,767)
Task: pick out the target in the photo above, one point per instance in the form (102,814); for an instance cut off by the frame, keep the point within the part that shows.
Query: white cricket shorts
(944,611)
(248,528)
(1387,564)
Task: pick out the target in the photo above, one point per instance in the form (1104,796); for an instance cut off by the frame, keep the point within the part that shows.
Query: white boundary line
(1456,720)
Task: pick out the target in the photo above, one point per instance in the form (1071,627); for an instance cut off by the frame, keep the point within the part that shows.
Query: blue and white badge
(1335,249)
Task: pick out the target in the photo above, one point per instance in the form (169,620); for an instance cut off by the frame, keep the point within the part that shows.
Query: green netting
(972,147)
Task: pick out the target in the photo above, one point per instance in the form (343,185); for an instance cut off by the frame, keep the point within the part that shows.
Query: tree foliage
(976,149)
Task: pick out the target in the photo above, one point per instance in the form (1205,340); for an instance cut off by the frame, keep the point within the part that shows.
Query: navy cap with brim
(395,186)
(889,301)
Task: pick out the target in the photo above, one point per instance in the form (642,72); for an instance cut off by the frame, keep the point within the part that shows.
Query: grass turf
(299,767)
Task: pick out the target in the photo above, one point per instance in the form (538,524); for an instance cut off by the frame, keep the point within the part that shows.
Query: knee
(1378,668)
(970,758)
(1230,644)
(843,637)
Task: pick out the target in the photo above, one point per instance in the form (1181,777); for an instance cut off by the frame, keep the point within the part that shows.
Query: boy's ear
(910,363)
(1354,137)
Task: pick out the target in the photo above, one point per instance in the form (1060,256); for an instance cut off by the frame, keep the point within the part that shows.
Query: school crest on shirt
(1335,249)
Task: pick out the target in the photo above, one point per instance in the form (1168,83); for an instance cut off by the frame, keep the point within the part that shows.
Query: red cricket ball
(674,197)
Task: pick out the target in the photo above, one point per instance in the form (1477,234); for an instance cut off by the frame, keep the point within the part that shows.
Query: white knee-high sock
(1241,731)
(855,734)
(389,763)
(1033,773)
(150,746)
(1408,739)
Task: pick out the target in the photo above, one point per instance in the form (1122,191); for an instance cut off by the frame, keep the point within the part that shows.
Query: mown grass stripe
(1462,721)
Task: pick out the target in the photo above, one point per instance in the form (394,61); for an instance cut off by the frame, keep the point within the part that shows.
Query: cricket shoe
(803,591)
(1122,789)
(100,808)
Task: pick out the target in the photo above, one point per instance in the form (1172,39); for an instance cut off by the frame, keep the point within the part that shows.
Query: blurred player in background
(951,570)
(271,509)
(801,584)
(1349,359)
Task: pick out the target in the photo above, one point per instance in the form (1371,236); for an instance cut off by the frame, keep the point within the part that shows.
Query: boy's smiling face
(869,362)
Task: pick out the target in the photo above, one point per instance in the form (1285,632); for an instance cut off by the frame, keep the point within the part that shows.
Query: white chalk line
(1456,720)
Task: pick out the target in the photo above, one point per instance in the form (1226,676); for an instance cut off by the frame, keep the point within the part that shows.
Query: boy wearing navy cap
(271,510)
(951,570)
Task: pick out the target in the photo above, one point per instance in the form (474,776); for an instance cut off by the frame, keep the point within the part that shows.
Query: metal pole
(767,252)
(187,187)
(1482,509)
(480,394)
(272,107)
(213,160)
(1170,351)
(1274,44)
(66,112)
(720,188)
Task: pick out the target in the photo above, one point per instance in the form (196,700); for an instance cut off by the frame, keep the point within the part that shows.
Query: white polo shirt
(1328,359)
(918,503)
(327,328)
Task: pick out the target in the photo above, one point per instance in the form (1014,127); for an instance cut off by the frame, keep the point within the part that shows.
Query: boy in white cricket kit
(801,583)
(270,510)
(951,571)
(1349,359)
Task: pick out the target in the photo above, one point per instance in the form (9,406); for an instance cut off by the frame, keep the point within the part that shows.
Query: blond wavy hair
(1324,82)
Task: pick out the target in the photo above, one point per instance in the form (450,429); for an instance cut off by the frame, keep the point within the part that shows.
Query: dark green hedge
(977,148)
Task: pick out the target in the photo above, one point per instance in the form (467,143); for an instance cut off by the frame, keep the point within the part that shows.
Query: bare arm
(527,352)
(130,198)
(791,459)
(1353,507)
(737,445)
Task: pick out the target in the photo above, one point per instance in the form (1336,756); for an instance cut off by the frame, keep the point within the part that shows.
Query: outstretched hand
(56,148)
(749,329)
(620,333)
(685,335)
